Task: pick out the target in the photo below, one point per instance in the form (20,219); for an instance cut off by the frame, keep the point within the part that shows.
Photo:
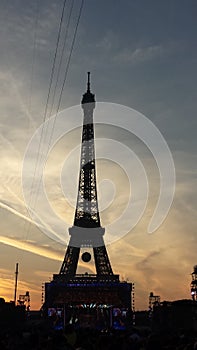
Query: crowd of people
(41,337)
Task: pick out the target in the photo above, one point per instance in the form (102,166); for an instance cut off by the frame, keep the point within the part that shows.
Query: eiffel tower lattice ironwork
(87,230)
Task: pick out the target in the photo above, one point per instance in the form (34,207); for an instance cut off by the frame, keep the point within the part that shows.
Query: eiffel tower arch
(96,300)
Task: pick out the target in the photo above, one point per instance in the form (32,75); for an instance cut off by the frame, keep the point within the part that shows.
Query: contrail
(14,194)
(29,247)
(15,212)
(26,218)
(10,144)
(24,107)
(41,251)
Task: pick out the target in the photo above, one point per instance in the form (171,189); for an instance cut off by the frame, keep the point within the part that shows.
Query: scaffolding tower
(24,300)
(194,284)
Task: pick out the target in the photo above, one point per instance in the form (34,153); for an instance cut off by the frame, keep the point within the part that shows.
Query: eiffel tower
(72,290)
(87,230)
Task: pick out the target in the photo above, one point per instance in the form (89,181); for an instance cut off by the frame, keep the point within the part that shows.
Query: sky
(142,55)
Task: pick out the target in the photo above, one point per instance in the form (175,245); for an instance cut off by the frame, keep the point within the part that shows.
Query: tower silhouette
(87,230)
(194,284)
(95,296)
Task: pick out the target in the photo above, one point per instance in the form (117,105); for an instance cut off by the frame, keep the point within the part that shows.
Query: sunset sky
(141,54)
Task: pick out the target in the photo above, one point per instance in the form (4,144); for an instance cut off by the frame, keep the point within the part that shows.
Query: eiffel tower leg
(102,263)
(69,265)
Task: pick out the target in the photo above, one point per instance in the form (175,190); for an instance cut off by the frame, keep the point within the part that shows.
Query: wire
(32,205)
(47,102)
(34,54)
(54,59)
(62,54)
(66,73)
(63,85)
(69,59)
(48,97)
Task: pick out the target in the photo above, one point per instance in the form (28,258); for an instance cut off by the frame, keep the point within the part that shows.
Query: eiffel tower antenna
(88,83)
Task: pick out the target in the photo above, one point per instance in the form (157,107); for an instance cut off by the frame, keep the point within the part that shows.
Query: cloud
(40,223)
(48,253)
(146,262)
(32,248)
(118,60)
(139,55)
(15,212)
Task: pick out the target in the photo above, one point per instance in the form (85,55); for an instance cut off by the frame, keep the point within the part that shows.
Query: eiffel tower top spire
(88,83)
(88,97)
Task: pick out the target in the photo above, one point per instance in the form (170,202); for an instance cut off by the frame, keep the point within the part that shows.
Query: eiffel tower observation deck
(69,289)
